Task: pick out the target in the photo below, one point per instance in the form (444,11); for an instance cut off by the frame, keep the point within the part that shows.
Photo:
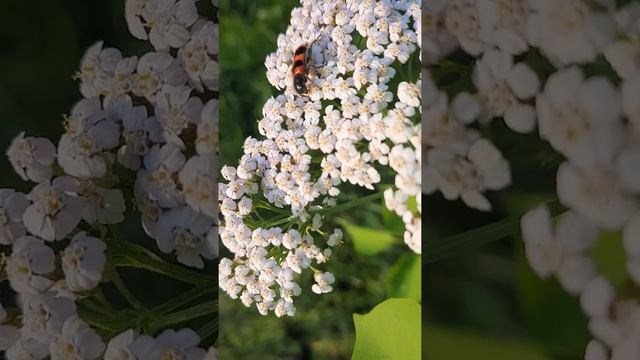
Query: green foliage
(442,343)
(392,222)
(549,314)
(610,258)
(404,279)
(368,241)
(248,33)
(391,331)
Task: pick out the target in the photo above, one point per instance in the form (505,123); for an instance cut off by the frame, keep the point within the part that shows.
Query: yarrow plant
(358,125)
(568,71)
(144,136)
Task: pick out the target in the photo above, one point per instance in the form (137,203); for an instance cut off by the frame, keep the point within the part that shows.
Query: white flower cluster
(146,126)
(590,117)
(359,124)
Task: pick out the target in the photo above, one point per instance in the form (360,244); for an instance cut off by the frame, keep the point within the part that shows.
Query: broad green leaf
(404,279)
(445,344)
(391,331)
(368,241)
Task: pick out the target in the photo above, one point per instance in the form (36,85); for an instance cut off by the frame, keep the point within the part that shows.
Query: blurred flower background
(528,113)
(43,45)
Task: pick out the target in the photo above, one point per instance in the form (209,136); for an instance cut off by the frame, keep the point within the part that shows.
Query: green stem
(90,303)
(126,293)
(331,210)
(351,204)
(410,61)
(99,295)
(123,259)
(127,254)
(178,317)
(112,322)
(184,299)
(207,330)
(280,220)
(438,249)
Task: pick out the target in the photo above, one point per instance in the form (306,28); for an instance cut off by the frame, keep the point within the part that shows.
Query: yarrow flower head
(353,125)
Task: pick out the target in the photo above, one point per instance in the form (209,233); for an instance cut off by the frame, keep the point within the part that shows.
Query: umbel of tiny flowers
(144,134)
(530,67)
(358,124)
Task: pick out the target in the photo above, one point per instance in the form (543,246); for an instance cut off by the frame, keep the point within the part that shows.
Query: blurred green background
(323,325)
(42,46)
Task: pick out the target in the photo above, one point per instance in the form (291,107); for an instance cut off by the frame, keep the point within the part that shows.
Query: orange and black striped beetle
(300,69)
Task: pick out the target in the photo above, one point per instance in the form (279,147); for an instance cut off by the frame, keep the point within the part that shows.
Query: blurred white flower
(185,231)
(580,117)
(53,214)
(503,23)
(156,69)
(561,252)
(120,347)
(208,132)
(503,87)
(12,207)
(595,194)
(138,132)
(212,354)
(323,282)
(83,261)
(44,316)
(157,178)
(77,341)
(569,31)
(596,351)
(27,348)
(30,263)
(198,178)
(171,344)
(168,22)
(175,111)
(197,55)
(32,158)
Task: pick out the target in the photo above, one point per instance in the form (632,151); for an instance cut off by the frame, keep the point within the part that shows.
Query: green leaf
(444,344)
(390,331)
(435,250)
(438,249)
(368,241)
(542,302)
(404,279)
(392,221)
(611,258)
(412,204)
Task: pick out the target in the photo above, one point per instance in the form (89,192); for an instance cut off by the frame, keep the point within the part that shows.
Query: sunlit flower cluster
(143,136)
(532,64)
(358,124)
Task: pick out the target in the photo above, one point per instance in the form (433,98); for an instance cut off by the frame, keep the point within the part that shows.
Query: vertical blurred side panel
(109,189)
